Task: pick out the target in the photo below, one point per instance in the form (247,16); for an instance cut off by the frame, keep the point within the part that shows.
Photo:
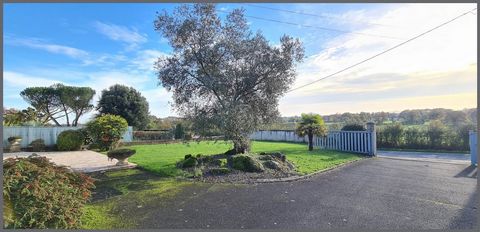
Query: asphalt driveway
(378,193)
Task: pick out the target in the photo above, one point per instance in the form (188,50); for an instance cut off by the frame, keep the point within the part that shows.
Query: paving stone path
(81,161)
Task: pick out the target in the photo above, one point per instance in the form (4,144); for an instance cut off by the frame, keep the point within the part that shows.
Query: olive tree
(222,75)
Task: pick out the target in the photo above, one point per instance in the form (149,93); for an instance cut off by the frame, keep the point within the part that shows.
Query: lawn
(161,158)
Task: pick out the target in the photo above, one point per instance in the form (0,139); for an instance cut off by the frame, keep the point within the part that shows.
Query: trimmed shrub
(38,145)
(120,154)
(353,127)
(70,140)
(246,163)
(38,194)
(152,135)
(107,130)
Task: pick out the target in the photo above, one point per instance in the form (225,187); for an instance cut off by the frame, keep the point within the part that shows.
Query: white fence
(349,141)
(278,135)
(473,147)
(48,134)
(363,142)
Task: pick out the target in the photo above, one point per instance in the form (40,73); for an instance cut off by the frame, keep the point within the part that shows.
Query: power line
(317,27)
(309,14)
(383,52)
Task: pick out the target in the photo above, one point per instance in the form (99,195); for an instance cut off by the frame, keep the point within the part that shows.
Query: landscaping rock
(272,164)
(190,162)
(246,163)
(219,171)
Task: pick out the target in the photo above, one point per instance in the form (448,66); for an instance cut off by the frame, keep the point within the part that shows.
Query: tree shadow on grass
(115,183)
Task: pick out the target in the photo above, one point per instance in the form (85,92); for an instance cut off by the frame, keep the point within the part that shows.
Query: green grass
(161,158)
(119,195)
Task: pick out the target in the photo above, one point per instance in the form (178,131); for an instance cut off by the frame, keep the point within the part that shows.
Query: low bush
(246,163)
(70,140)
(38,194)
(38,145)
(120,154)
(107,130)
(353,127)
(152,135)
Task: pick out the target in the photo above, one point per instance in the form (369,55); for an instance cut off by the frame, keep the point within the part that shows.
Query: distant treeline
(448,117)
(434,135)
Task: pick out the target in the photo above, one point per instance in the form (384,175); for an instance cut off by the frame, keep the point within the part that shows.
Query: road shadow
(470,172)
(468,216)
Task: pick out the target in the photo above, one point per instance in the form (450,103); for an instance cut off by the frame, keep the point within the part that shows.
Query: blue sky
(99,45)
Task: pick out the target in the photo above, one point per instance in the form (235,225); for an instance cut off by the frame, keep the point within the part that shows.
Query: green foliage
(211,92)
(245,163)
(152,135)
(70,140)
(310,125)
(43,195)
(353,127)
(60,99)
(179,131)
(434,136)
(107,130)
(26,117)
(126,102)
(120,154)
(38,145)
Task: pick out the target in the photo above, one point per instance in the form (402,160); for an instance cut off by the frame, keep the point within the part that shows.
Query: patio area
(79,161)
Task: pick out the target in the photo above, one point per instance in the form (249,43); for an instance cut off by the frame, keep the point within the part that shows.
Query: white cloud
(20,80)
(120,33)
(427,66)
(49,47)
(145,59)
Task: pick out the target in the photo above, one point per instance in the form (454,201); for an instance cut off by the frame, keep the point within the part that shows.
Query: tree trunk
(310,140)
(240,146)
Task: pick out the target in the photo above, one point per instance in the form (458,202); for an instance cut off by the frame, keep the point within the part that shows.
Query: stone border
(295,178)
(286,179)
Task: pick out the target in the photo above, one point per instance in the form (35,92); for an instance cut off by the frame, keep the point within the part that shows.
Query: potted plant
(14,143)
(121,155)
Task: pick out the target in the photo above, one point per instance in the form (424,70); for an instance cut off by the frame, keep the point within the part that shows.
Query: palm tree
(311,124)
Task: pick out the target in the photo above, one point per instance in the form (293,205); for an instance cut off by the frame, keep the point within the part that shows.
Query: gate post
(373,138)
(473,147)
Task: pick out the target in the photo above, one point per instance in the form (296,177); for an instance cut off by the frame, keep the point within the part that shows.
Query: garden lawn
(162,158)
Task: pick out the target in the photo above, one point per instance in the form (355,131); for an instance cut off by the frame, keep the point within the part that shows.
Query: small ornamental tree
(107,130)
(310,125)
(223,76)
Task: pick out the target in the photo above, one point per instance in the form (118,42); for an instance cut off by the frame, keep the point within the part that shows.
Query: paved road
(427,156)
(375,193)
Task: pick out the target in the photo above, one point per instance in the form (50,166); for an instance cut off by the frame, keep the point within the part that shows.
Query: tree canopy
(60,101)
(221,74)
(126,102)
(310,125)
